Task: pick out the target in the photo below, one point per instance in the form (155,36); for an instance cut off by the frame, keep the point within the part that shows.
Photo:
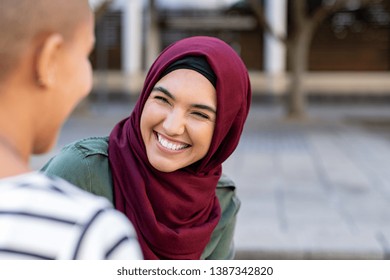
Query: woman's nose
(174,123)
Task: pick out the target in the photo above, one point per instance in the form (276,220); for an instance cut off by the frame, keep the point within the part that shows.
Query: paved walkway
(319,189)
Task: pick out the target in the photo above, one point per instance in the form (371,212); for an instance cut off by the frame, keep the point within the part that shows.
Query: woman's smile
(171,145)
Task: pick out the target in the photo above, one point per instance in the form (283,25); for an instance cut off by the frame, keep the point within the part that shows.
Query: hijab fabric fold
(175,213)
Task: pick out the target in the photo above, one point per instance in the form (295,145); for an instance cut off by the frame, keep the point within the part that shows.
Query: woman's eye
(201,115)
(162,99)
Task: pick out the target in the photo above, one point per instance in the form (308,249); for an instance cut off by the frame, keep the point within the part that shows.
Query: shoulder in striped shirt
(47,218)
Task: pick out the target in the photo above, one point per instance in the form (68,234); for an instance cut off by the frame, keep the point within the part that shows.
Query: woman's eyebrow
(165,91)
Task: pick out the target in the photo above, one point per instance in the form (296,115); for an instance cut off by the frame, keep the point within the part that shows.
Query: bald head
(23,23)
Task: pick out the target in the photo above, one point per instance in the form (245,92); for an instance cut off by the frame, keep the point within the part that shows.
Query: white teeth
(171,146)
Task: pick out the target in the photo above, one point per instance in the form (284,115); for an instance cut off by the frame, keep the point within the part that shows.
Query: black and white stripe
(47,218)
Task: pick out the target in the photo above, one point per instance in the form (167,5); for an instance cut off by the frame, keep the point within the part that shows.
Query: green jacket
(85,164)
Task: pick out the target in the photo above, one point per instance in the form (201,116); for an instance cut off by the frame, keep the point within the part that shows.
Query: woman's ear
(46,60)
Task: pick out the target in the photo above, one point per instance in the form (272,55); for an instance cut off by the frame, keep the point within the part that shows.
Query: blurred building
(129,35)
(354,40)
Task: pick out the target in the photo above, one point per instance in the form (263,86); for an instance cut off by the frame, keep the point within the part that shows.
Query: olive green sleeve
(221,245)
(90,172)
(85,164)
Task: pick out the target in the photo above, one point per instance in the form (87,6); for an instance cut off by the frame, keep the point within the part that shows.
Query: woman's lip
(170,139)
(170,150)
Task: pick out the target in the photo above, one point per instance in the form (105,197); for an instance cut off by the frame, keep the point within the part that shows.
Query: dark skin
(32,75)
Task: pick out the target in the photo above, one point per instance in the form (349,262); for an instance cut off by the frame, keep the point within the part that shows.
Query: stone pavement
(318,189)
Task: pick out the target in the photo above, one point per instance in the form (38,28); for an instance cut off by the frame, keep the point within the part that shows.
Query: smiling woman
(178,120)
(162,166)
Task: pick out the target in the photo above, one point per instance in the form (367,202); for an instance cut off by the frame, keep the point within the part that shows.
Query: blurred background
(317,48)
(312,167)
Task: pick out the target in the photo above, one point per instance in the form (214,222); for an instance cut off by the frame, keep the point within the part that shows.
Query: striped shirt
(47,218)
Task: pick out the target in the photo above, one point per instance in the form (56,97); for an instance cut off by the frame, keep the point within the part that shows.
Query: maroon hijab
(175,213)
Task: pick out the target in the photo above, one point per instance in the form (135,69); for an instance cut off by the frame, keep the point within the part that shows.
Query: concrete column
(274,50)
(132,36)
(152,34)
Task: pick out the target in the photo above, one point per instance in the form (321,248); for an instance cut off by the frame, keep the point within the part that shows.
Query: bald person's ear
(46,60)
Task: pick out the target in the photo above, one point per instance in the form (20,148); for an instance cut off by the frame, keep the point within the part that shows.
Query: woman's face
(178,120)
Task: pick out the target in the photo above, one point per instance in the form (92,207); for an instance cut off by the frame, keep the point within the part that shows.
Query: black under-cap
(196,63)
